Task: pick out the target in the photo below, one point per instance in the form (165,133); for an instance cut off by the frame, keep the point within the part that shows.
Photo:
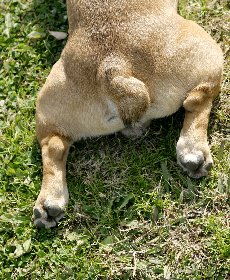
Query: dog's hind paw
(48,214)
(194,158)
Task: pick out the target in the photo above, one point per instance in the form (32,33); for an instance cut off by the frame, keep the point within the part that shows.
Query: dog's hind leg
(193,153)
(53,197)
(130,95)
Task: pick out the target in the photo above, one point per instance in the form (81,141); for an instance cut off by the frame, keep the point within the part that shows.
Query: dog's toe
(37,213)
(42,223)
(53,210)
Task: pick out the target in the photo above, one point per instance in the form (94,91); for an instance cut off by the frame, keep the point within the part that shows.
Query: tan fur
(126,62)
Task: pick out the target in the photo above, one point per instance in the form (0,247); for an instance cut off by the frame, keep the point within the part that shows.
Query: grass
(133,214)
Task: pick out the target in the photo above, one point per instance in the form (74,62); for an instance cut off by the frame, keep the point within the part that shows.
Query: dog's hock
(130,95)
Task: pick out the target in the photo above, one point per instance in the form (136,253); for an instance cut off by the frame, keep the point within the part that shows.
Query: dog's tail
(129,94)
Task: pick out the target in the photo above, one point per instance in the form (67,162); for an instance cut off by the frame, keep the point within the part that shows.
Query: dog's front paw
(48,211)
(194,158)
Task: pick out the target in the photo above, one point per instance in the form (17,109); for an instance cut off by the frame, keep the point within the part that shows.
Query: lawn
(133,214)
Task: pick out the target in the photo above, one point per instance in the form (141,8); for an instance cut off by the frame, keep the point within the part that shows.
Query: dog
(125,63)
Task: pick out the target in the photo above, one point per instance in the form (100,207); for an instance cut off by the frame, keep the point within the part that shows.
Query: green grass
(133,214)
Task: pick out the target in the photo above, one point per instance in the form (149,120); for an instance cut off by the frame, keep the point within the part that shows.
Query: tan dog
(126,62)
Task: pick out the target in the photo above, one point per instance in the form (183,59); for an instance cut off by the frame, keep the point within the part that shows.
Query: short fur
(126,62)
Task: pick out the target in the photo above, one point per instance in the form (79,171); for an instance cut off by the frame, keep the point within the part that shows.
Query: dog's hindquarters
(160,63)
